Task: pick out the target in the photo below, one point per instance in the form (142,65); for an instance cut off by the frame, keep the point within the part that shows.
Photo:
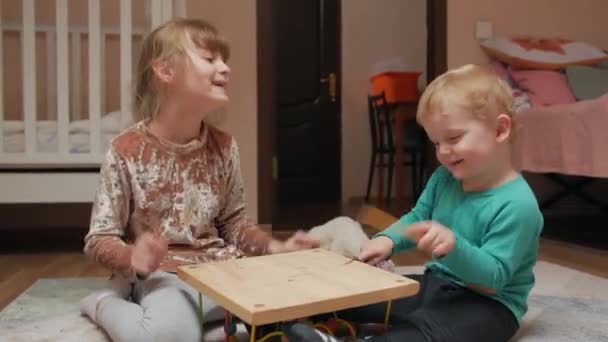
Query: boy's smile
(452,165)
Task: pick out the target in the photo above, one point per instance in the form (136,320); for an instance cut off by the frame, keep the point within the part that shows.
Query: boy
(477,218)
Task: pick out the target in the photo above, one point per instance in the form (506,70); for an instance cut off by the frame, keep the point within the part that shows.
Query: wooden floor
(20,270)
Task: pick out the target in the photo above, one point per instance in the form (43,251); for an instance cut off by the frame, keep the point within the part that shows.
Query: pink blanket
(569,139)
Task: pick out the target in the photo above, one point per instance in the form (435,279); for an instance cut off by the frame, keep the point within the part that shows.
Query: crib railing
(63,76)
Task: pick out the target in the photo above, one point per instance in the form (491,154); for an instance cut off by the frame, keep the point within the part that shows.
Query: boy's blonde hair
(476,89)
(167,41)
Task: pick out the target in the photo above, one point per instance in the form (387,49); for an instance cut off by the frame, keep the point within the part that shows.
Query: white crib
(53,155)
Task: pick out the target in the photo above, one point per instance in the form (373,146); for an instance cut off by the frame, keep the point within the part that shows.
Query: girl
(171,193)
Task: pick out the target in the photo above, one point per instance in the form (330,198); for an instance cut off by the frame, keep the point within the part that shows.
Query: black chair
(413,145)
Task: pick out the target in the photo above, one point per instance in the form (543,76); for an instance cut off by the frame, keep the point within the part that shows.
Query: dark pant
(441,311)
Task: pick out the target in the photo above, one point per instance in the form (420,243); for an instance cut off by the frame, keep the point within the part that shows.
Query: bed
(50,152)
(47,139)
(566,139)
(560,86)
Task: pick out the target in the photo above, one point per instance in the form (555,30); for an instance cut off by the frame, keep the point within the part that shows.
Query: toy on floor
(345,236)
(333,326)
(341,235)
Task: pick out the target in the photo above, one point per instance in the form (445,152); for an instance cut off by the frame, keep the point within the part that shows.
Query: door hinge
(275,168)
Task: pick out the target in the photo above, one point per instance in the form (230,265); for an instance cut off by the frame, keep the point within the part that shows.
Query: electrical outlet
(483,30)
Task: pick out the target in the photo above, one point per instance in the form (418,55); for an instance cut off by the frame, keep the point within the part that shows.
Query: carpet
(48,311)
(565,305)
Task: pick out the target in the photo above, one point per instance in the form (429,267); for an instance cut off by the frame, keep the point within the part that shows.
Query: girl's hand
(296,242)
(376,250)
(148,253)
(431,237)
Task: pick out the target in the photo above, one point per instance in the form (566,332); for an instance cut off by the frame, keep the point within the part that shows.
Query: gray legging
(164,308)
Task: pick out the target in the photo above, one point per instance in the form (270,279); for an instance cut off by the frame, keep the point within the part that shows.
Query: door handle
(332,80)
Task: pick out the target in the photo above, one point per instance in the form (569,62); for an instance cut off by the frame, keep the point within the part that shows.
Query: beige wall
(582,19)
(77,17)
(236,20)
(398,27)
(371,32)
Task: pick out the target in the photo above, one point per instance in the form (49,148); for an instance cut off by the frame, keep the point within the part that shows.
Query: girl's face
(200,79)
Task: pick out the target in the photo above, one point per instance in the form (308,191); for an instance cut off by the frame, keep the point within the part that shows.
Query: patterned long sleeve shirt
(192,195)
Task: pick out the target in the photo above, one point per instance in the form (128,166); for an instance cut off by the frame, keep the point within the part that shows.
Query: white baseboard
(42,187)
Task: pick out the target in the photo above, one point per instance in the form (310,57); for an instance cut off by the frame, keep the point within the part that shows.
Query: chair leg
(391,169)
(422,172)
(370,179)
(414,176)
(380,179)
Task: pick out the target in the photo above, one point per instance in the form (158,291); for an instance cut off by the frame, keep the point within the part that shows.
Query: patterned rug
(48,311)
(565,305)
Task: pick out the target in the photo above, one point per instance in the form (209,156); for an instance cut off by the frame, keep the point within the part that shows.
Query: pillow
(18,126)
(547,54)
(603,64)
(544,87)
(502,71)
(521,101)
(110,123)
(587,82)
(13,126)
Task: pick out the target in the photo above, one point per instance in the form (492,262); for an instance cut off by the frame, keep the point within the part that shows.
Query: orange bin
(398,86)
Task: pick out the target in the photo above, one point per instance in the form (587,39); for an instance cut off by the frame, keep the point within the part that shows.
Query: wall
(398,27)
(583,20)
(372,32)
(77,18)
(236,20)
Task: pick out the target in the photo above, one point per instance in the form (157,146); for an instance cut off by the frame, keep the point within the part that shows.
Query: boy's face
(464,144)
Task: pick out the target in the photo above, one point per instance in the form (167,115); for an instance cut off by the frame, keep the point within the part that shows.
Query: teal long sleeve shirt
(497,233)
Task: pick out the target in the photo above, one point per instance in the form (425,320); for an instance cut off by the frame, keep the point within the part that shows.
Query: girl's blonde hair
(476,89)
(171,39)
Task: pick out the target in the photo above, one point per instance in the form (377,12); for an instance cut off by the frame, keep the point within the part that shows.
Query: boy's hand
(376,250)
(296,242)
(148,253)
(431,237)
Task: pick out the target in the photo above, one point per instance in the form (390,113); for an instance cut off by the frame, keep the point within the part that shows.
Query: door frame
(266,123)
(436,55)
(266,88)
